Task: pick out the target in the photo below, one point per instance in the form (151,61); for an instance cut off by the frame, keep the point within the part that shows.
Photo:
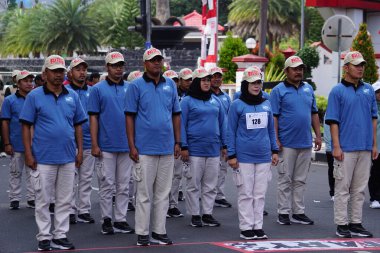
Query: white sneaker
(332,198)
(375,204)
(3,154)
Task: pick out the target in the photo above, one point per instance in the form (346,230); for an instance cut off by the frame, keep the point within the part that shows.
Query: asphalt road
(18,228)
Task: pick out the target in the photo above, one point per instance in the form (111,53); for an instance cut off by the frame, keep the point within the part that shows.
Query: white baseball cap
(185,73)
(170,73)
(114,57)
(200,73)
(133,75)
(354,57)
(75,62)
(376,86)
(54,62)
(251,74)
(151,53)
(293,62)
(215,70)
(22,74)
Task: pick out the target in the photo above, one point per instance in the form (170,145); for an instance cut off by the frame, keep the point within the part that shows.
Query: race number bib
(256,120)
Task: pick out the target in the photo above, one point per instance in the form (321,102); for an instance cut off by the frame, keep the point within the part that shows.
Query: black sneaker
(247,235)
(174,212)
(283,219)
(123,227)
(208,220)
(358,230)
(162,239)
(260,234)
(196,221)
(343,231)
(14,205)
(302,219)
(143,240)
(265,213)
(180,196)
(73,219)
(85,218)
(62,243)
(107,228)
(44,245)
(131,207)
(31,204)
(222,203)
(51,208)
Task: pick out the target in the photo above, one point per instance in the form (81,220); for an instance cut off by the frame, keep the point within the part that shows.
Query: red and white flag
(209,56)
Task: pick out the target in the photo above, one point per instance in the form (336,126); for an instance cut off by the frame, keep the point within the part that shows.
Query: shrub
(310,58)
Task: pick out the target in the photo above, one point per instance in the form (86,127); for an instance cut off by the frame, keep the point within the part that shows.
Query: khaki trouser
(222,178)
(177,177)
(46,180)
(114,172)
(293,170)
(153,180)
(202,177)
(351,178)
(16,167)
(82,184)
(252,182)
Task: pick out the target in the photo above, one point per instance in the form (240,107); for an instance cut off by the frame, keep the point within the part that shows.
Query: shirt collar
(75,87)
(348,84)
(287,84)
(148,79)
(47,91)
(18,95)
(221,93)
(112,83)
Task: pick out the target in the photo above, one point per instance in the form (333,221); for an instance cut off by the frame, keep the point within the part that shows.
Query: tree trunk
(263,26)
(162,10)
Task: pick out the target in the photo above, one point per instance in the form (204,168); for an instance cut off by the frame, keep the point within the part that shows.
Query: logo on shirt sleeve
(266,108)
(69,100)
(306,89)
(167,88)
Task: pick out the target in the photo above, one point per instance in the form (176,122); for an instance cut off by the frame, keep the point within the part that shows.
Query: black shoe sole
(160,242)
(107,233)
(343,236)
(284,223)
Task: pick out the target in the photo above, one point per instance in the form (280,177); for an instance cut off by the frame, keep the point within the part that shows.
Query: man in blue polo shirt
(294,109)
(12,139)
(153,127)
(352,116)
(110,145)
(56,115)
(81,200)
(216,82)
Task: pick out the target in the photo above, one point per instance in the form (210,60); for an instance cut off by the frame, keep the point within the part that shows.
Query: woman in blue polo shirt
(202,135)
(251,150)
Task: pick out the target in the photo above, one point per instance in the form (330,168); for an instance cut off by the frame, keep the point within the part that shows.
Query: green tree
(69,28)
(310,58)
(231,48)
(313,23)
(363,44)
(283,18)
(23,32)
(113,19)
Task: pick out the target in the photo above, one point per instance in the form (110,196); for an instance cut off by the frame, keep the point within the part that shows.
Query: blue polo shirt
(181,94)
(293,107)
(237,95)
(251,143)
(225,100)
(153,105)
(107,101)
(353,109)
(10,111)
(53,119)
(203,126)
(84,95)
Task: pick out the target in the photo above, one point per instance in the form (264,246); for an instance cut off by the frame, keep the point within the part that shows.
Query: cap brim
(83,62)
(357,62)
(187,77)
(56,67)
(152,56)
(115,61)
(203,75)
(253,79)
(216,72)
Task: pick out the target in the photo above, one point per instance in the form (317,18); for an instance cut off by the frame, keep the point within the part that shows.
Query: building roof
(195,19)
(356,4)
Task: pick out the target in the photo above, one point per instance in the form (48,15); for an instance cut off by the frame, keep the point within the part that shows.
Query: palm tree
(113,19)
(283,18)
(68,28)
